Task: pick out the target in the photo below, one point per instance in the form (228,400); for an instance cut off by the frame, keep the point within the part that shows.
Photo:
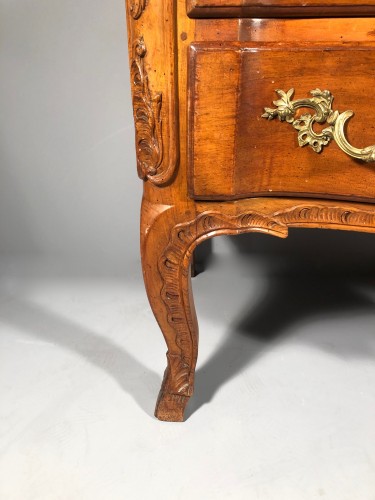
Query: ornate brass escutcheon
(321,102)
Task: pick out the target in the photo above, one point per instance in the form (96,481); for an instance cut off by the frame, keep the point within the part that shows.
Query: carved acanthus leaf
(147,116)
(154,88)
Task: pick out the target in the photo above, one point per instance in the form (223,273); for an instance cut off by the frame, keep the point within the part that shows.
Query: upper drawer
(280,8)
(308,146)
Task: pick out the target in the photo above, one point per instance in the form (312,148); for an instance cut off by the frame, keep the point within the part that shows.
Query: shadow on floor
(316,278)
(307,278)
(132,376)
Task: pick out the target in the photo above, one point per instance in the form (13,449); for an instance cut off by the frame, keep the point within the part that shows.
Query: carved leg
(166,268)
(167,247)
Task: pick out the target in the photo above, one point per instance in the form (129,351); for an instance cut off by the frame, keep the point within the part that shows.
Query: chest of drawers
(250,116)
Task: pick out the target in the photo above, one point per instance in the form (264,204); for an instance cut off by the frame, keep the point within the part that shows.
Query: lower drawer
(304,148)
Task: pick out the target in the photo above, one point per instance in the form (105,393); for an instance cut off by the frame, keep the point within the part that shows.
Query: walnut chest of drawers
(250,116)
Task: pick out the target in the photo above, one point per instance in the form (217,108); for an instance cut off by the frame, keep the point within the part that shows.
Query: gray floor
(285,392)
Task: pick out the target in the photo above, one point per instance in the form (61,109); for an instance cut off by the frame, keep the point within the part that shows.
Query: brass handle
(321,102)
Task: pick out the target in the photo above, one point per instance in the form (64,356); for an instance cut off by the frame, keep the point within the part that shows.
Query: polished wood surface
(235,153)
(155,100)
(285,30)
(307,30)
(224,90)
(279,8)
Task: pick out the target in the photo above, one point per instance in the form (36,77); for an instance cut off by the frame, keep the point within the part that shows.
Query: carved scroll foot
(170,407)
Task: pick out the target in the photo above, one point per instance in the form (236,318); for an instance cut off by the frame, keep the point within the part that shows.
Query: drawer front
(279,8)
(235,152)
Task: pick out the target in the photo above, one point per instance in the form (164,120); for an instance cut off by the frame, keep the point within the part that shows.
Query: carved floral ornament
(321,103)
(147,116)
(137,7)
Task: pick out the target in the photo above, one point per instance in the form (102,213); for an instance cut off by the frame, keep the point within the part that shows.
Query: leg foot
(166,258)
(170,407)
(175,391)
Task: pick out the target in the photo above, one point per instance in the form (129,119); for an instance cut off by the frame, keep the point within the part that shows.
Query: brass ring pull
(321,103)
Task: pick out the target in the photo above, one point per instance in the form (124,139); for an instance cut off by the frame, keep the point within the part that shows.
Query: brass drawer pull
(321,102)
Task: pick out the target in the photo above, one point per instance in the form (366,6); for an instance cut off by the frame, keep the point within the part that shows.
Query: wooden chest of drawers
(250,116)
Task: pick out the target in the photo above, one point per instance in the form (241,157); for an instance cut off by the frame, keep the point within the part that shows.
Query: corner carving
(147,119)
(137,7)
(175,261)
(154,87)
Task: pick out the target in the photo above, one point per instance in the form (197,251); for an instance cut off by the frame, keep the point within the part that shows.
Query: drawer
(235,152)
(279,8)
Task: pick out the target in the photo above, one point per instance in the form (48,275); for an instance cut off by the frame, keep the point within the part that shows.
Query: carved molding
(326,215)
(175,261)
(154,88)
(147,120)
(136,8)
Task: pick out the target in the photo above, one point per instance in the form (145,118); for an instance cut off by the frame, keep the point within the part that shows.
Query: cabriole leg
(166,268)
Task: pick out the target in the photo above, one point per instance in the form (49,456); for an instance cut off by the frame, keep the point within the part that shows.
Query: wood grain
(307,30)
(279,8)
(267,157)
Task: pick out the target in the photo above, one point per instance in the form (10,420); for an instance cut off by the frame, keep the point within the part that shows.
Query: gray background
(285,388)
(69,188)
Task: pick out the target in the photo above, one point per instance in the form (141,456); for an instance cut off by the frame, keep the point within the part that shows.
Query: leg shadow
(132,376)
(302,289)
